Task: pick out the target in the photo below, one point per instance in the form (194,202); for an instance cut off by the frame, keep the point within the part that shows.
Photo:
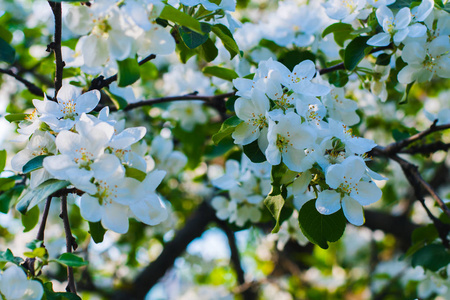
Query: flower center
(283,142)
(84,159)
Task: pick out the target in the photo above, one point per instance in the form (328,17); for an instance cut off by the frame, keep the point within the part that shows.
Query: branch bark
(30,86)
(56,45)
(70,244)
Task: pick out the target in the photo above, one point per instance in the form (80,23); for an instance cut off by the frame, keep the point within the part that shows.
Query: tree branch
(247,292)
(30,86)
(193,228)
(70,244)
(40,234)
(427,148)
(100,82)
(56,45)
(397,146)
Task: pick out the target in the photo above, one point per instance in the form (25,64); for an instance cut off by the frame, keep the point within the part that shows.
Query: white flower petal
(328,202)
(353,211)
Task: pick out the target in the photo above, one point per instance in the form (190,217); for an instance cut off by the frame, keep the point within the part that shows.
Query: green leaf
(67,0)
(7,183)
(70,260)
(275,203)
(432,257)
(338,78)
(5,34)
(34,164)
(119,102)
(400,4)
(321,229)
(193,39)
(383,59)
(97,231)
(172,14)
(30,219)
(400,135)
(208,50)
(223,73)
(8,196)
(355,52)
(40,193)
(226,129)
(292,58)
(183,51)
(15,117)
(135,173)
(254,153)
(341,32)
(7,256)
(51,295)
(7,53)
(128,72)
(2,160)
(422,236)
(39,252)
(224,34)
(404,99)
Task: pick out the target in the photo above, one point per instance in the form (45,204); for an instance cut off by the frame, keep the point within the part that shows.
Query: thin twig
(30,86)
(100,82)
(397,146)
(56,45)
(427,148)
(40,234)
(71,287)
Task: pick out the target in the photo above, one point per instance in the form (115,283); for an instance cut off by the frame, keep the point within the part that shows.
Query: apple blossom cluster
(94,154)
(247,185)
(117,30)
(14,285)
(304,125)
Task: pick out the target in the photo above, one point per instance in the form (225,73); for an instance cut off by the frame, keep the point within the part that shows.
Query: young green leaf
(40,193)
(97,231)
(34,164)
(224,34)
(172,14)
(432,257)
(220,72)
(193,39)
(71,260)
(7,183)
(7,53)
(51,295)
(226,129)
(135,173)
(355,51)
(128,72)
(30,219)
(2,160)
(321,229)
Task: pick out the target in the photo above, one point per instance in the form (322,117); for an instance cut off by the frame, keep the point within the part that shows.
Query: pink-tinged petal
(150,210)
(87,102)
(68,93)
(115,217)
(366,193)
(334,175)
(353,211)
(403,18)
(380,39)
(328,202)
(90,208)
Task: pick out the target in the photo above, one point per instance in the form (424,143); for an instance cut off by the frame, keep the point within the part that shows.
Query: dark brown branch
(193,228)
(40,234)
(247,293)
(100,82)
(397,146)
(30,86)
(427,148)
(56,45)
(70,244)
